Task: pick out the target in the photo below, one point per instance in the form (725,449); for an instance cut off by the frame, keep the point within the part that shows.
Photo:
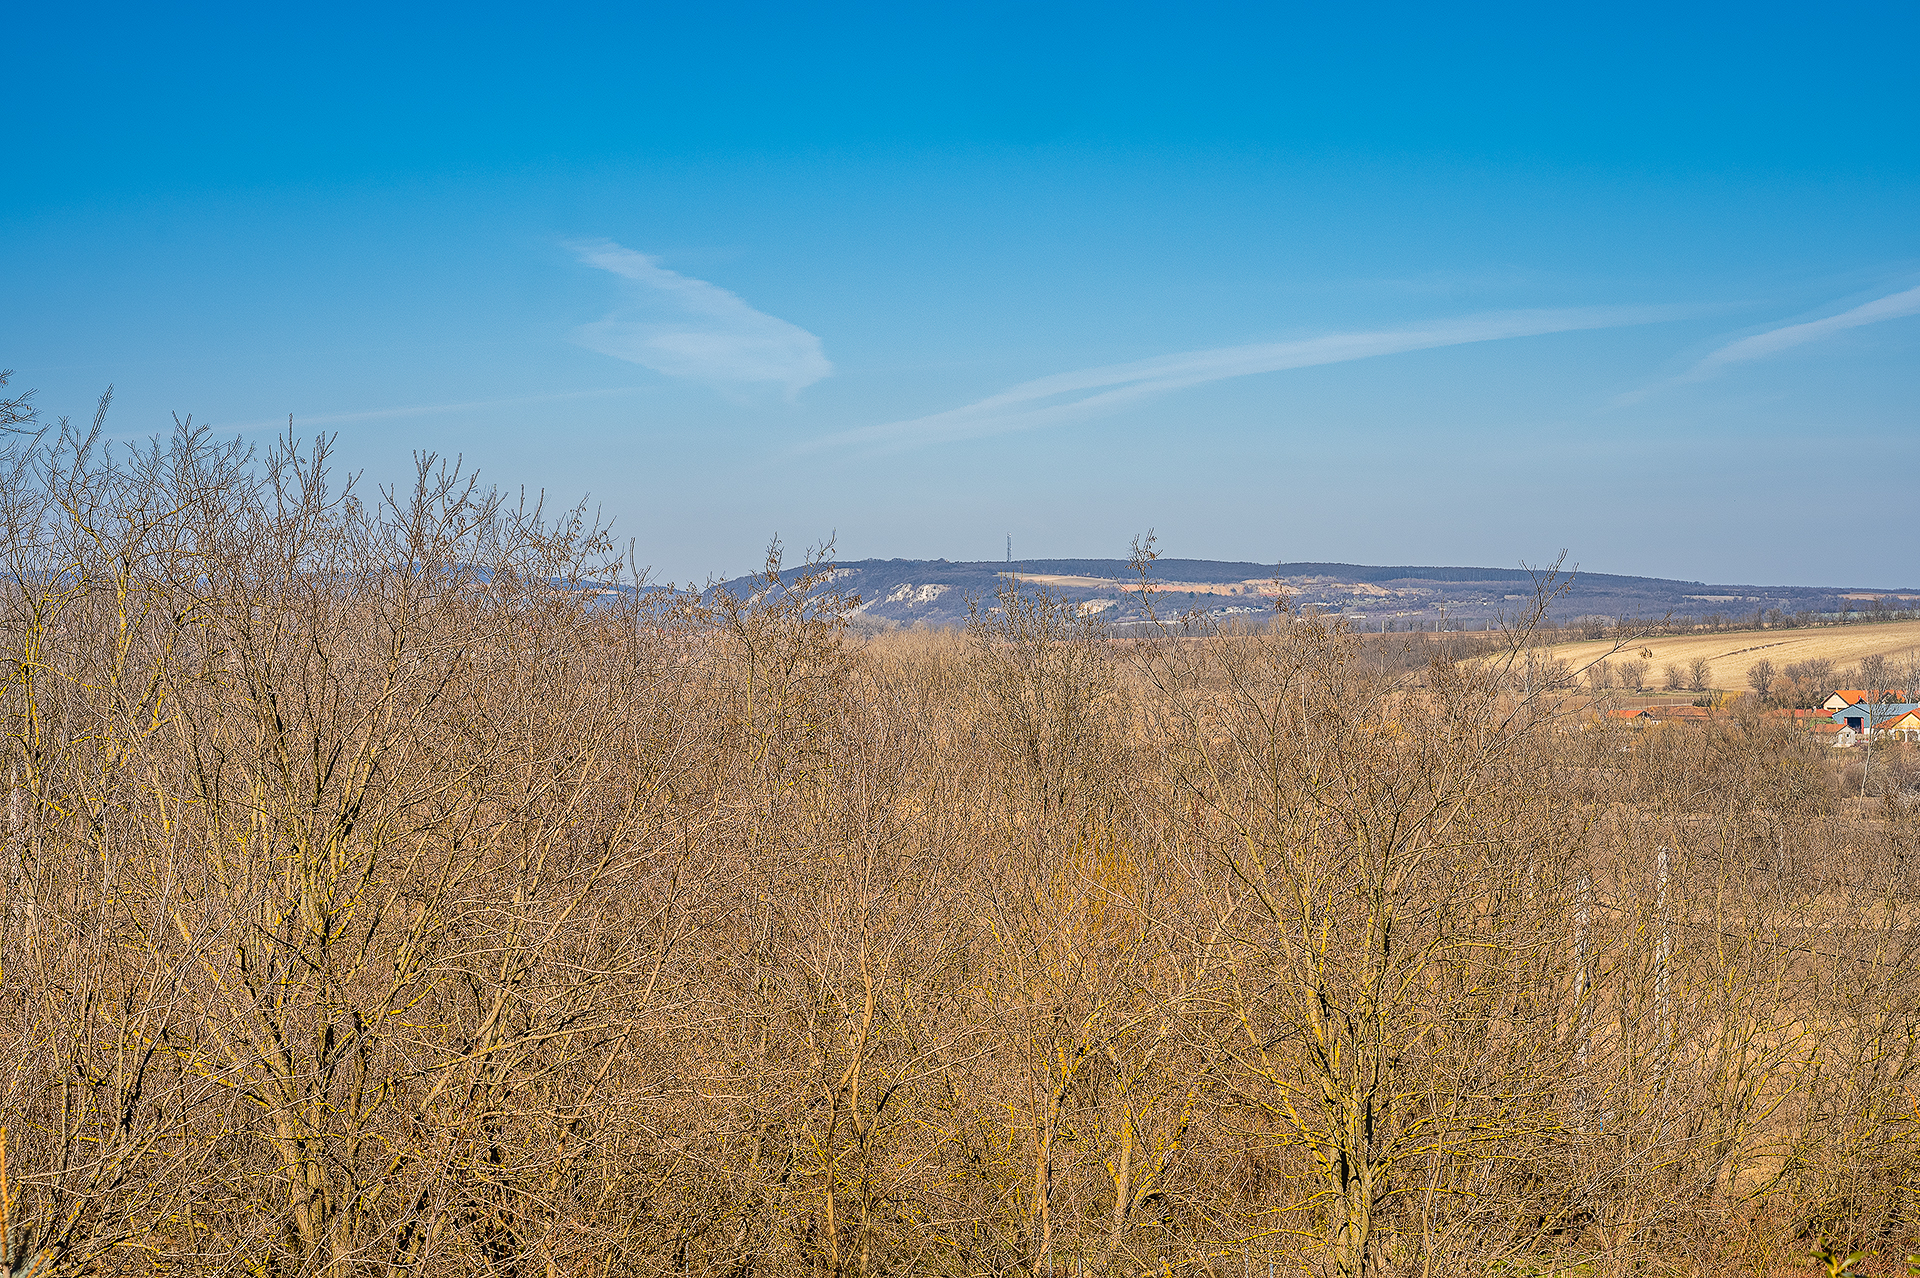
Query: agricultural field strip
(1730,654)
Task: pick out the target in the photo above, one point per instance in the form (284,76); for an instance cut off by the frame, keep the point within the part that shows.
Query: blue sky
(1383,285)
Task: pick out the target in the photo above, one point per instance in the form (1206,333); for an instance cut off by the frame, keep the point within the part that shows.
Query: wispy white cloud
(427,410)
(1071,397)
(1773,341)
(684,327)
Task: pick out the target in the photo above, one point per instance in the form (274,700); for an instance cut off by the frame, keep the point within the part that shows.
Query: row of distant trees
(1809,683)
(1800,683)
(1878,609)
(1600,626)
(1633,673)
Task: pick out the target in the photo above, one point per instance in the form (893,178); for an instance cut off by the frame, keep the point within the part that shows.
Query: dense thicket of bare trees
(387,897)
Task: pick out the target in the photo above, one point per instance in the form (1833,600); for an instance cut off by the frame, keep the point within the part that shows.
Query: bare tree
(1908,674)
(1760,677)
(398,883)
(17,412)
(1820,673)
(1349,844)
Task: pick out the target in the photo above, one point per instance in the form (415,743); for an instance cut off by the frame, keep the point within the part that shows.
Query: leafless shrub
(395,885)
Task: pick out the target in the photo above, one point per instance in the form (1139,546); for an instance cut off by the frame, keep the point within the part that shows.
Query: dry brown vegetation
(379,904)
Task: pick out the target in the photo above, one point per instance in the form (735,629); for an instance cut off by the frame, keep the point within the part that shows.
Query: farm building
(1906,727)
(1866,717)
(1854,696)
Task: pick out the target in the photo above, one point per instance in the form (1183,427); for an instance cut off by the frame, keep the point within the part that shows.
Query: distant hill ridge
(937,591)
(1223,570)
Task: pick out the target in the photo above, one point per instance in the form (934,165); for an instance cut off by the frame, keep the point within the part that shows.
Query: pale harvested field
(1731,653)
(1262,587)
(1250,587)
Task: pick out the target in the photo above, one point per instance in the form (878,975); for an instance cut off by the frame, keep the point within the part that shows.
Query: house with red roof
(1906,727)
(1854,696)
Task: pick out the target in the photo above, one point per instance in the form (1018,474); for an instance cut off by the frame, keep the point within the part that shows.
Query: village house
(1641,716)
(1906,727)
(1864,718)
(1818,722)
(1854,696)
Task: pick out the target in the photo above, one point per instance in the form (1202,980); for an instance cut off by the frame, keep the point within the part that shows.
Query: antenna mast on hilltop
(1009,550)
